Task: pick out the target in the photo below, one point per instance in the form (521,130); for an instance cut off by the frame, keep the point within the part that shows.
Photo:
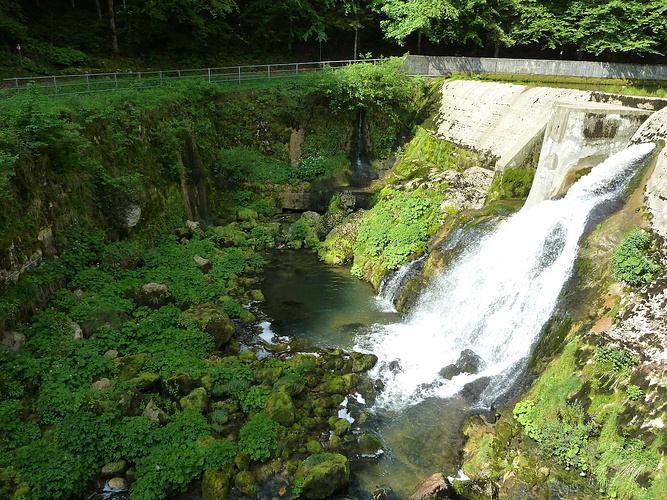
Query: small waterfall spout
(362,173)
(476,325)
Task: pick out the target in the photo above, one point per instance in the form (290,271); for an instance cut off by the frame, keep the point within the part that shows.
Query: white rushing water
(496,298)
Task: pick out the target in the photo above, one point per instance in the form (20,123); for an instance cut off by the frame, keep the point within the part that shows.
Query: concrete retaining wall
(445,65)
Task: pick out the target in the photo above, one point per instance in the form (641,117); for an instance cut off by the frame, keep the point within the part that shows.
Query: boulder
(145,382)
(449,371)
(473,390)
(77,332)
(215,485)
(322,475)
(368,444)
(336,249)
(180,384)
(130,366)
(362,362)
(280,407)
(333,384)
(118,483)
(154,295)
(155,414)
(245,483)
(14,341)
(469,362)
(213,320)
(196,400)
(205,265)
(114,469)
(435,487)
(130,403)
(101,384)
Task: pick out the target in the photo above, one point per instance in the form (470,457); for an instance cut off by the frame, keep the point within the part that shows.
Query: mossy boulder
(333,384)
(154,295)
(339,426)
(322,475)
(362,362)
(215,485)
(247,215)
(180,384)
(212,319)
(196,400)
(336,249)
(280,407)
(368,444)
(245,483)
(307,232)
(145,382)
(130,366)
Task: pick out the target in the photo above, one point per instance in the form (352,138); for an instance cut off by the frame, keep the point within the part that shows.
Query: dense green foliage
(578,414)
(631,262)
(64,35)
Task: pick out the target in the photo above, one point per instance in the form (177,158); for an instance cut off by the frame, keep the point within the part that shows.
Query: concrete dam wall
(573,129)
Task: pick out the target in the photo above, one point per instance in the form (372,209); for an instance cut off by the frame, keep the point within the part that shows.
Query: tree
(426,17)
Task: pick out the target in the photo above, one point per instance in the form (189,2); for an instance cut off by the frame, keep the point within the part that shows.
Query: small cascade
(392,283)
(488,308)
(362,172)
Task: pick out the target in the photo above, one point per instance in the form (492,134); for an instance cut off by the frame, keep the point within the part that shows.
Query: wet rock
(279,407)
(130,366)
(383,494)
(213,320)
(395,366)
(196,400)
(368,444)
(469,362)
(215,485)
(245,483)
(114,469)
(434,487)
(339,426)
(333,384)
(109,318)
(323,474)
(154,295)
(476,489)
(449,372)
(118,483)
(473,390)
(204,264)
(111,354)
(362,362)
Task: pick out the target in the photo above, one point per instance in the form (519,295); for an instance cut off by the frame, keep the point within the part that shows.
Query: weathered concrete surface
(498,118)
(580,135)
(653,130)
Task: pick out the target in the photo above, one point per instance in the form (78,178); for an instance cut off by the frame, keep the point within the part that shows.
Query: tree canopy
(63,34)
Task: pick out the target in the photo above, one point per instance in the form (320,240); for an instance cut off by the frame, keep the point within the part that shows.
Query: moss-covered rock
(368,444)
(245,483)
(130,366)
(280,407)
(180,384)
(212,319)
(333,384)
(215,485)
(362,362)
(145,382)
(196,400)
(339,426)
(336,249)
(322,475)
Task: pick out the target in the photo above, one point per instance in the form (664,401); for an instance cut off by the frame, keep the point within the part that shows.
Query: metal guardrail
(105,82)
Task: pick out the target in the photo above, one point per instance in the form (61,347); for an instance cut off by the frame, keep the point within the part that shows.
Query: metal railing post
(87,82)
(160,77)
(55,86)
(239,75)
(209,75)
(16,80)
(115,79)
(268,71)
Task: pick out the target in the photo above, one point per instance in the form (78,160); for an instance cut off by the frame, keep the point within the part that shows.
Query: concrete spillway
(506,123)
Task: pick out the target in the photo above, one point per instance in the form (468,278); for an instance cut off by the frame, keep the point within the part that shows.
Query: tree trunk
(98,7)
(496,50)
(356,44)
(419,41)
(112,25)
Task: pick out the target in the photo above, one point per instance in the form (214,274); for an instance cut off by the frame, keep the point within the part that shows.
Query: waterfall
(391,285)
(495,298)
(362,173)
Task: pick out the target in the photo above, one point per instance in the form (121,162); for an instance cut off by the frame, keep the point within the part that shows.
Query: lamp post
(18,47)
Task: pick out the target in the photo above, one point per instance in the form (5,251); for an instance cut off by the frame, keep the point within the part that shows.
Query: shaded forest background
(61,36)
